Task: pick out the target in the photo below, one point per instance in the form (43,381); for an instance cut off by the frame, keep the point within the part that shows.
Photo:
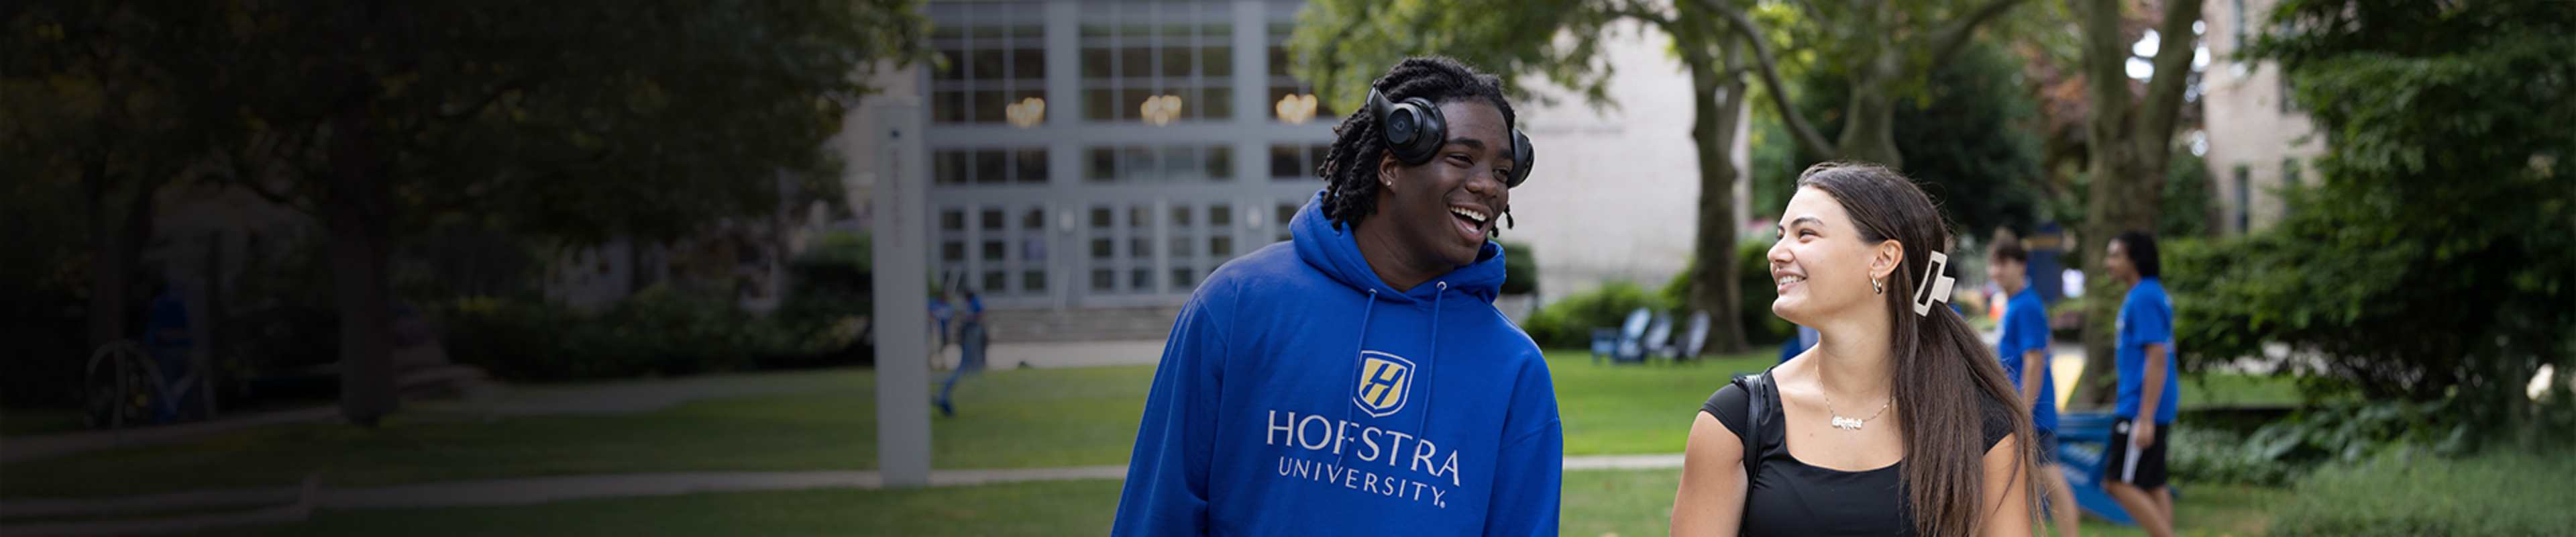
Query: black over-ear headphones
(1413,131)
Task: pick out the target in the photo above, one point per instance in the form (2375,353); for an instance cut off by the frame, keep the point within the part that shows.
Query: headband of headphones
(1414,130)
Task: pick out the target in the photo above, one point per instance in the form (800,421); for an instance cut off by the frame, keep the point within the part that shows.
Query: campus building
(2259,143)
(1090,162)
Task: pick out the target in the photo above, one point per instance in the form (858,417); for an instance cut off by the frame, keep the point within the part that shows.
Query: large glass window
(2244,196)
(1297,162)
(1285,211)
(986,66)
(1119,250)
(1282,85)
(989,166)
(997,250)
(1199,246)
(1175,54)
(1136,163)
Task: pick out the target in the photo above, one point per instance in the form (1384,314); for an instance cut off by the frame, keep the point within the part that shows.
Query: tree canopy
(579,121)
(2433,260)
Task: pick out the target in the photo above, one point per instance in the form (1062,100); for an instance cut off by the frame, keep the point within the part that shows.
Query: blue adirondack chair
(1693,338)
(1631,346)
(1659,338)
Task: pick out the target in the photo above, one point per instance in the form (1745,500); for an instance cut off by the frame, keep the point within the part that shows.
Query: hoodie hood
(1336,252)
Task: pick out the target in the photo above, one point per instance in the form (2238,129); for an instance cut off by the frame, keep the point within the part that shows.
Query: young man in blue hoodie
(1357,378)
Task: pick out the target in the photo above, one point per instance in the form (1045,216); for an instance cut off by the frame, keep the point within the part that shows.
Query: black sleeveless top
(1789,497)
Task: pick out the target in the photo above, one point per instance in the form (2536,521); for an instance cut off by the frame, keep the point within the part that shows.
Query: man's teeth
(1786,280)
(1470,214)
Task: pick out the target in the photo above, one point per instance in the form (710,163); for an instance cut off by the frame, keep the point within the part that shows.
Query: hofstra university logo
(1385,380)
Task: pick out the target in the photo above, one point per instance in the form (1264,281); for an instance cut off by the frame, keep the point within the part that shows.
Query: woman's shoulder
(1729,402)
(1998,418)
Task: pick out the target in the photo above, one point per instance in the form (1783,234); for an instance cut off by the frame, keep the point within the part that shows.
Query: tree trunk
(2123,197)
(358,216)
(117,235)
(1869,133)
(2130,145)
(1718,102)
(1869,120)
(108,265)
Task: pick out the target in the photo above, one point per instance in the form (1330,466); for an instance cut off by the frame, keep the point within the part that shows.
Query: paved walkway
(289,504)
(50,445)
(1062,354)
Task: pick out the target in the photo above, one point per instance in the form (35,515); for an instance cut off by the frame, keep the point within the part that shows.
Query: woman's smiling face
(1822,265)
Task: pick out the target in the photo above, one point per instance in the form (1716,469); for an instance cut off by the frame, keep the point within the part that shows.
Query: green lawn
(1627,503)
(2210,510)
(820,420)
(40,421)
(1017,418)
(1638,408)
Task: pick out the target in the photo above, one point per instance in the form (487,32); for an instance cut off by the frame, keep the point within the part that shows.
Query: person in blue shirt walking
(1356,379)
(2023,348)
(2133,468)
(940,312)
(165,338)
(971,341)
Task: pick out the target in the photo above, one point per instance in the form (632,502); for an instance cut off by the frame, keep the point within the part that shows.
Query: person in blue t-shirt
(970,351)
(165,337)
(2133,468)
(2023,349)
(941,312)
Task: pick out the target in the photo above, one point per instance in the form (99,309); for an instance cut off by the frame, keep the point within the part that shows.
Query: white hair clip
(1934,290)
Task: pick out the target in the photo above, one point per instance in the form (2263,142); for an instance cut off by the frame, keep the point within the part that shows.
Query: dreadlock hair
(1350,170)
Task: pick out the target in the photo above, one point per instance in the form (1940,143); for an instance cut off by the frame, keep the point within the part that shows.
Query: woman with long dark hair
(1898,421)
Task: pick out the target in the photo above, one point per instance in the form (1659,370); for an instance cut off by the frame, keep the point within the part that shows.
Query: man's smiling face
(1448,205)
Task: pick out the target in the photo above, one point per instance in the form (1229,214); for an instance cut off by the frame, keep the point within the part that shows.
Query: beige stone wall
(1615,194)
(2247,126)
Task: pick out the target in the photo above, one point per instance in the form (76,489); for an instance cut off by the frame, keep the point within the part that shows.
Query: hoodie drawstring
(1422,420)
(1422,424)
(1356,348)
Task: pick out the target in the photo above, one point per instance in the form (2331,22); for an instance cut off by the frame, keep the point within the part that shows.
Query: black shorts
(2125,463)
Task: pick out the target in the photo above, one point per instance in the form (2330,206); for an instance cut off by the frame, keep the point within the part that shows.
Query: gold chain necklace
(1849,424)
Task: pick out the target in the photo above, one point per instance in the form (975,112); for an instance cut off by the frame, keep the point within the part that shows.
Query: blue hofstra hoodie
(1301,395)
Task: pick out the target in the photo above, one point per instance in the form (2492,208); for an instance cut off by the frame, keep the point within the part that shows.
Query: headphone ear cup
(1525,157)
(1412,129)
(1424,125)
(1403,130)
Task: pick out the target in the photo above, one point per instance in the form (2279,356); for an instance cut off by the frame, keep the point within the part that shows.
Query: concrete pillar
(900,233)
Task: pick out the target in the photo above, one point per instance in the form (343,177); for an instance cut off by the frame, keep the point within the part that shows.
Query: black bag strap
(1757,396)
